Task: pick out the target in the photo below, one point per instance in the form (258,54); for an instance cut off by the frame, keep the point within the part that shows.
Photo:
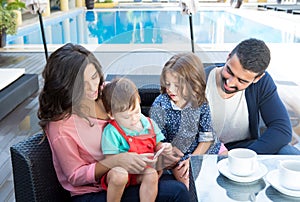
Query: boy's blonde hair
(120,95)
(188,68)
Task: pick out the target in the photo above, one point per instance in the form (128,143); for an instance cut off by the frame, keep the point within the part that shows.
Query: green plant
(7,22)
(15,5)
(8,16)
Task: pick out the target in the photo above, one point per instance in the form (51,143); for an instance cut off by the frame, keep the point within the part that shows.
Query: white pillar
(66,33)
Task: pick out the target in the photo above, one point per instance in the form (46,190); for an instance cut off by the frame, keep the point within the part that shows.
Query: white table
(208,185)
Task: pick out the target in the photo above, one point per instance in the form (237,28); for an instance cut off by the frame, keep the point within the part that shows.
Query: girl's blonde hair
(188,68)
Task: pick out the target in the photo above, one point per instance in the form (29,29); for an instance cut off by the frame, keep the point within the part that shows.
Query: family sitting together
(105,149)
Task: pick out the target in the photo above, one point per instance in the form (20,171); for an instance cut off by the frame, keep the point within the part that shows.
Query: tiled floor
(22,122)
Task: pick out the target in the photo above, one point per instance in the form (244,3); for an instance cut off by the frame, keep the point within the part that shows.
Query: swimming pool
(123,26)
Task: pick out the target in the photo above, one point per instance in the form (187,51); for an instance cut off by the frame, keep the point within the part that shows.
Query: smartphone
(158,152)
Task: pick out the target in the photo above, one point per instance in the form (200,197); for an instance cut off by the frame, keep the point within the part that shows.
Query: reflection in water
(142,26)
(136,18)
(98,27)
(125,27)
(241,191)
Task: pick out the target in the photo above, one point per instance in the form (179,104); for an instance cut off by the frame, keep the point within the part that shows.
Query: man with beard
(243,97)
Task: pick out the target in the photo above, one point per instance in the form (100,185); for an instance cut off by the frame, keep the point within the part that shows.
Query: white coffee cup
(242,161)
(289,174)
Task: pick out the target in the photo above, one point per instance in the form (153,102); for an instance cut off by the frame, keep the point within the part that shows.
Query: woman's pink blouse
(76,149)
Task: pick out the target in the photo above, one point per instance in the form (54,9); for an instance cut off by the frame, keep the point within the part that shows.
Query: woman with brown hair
(73,117)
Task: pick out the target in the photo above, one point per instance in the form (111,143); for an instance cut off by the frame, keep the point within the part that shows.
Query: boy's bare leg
(149,185)
(117,179)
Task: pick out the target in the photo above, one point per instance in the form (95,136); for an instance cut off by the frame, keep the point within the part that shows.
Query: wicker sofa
(33,172)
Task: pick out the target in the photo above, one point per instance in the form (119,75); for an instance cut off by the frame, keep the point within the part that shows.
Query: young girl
(182,111)
(129,131)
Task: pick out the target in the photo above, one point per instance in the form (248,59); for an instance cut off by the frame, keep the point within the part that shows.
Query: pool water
(148,26)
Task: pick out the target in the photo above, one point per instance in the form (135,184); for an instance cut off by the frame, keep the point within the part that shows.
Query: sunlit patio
(22,122)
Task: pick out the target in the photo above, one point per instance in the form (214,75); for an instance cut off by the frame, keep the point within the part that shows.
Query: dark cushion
(15,93)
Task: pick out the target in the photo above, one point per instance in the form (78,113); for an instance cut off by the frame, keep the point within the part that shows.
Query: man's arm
(263,96)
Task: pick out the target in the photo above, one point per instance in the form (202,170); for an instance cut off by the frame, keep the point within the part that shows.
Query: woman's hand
(149,159)
(132,162)
(183,168)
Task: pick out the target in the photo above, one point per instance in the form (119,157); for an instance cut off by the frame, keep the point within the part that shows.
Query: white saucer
(272,178)
(259,173)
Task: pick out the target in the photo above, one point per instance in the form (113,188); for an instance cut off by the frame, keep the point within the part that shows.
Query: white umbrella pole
(43,34)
